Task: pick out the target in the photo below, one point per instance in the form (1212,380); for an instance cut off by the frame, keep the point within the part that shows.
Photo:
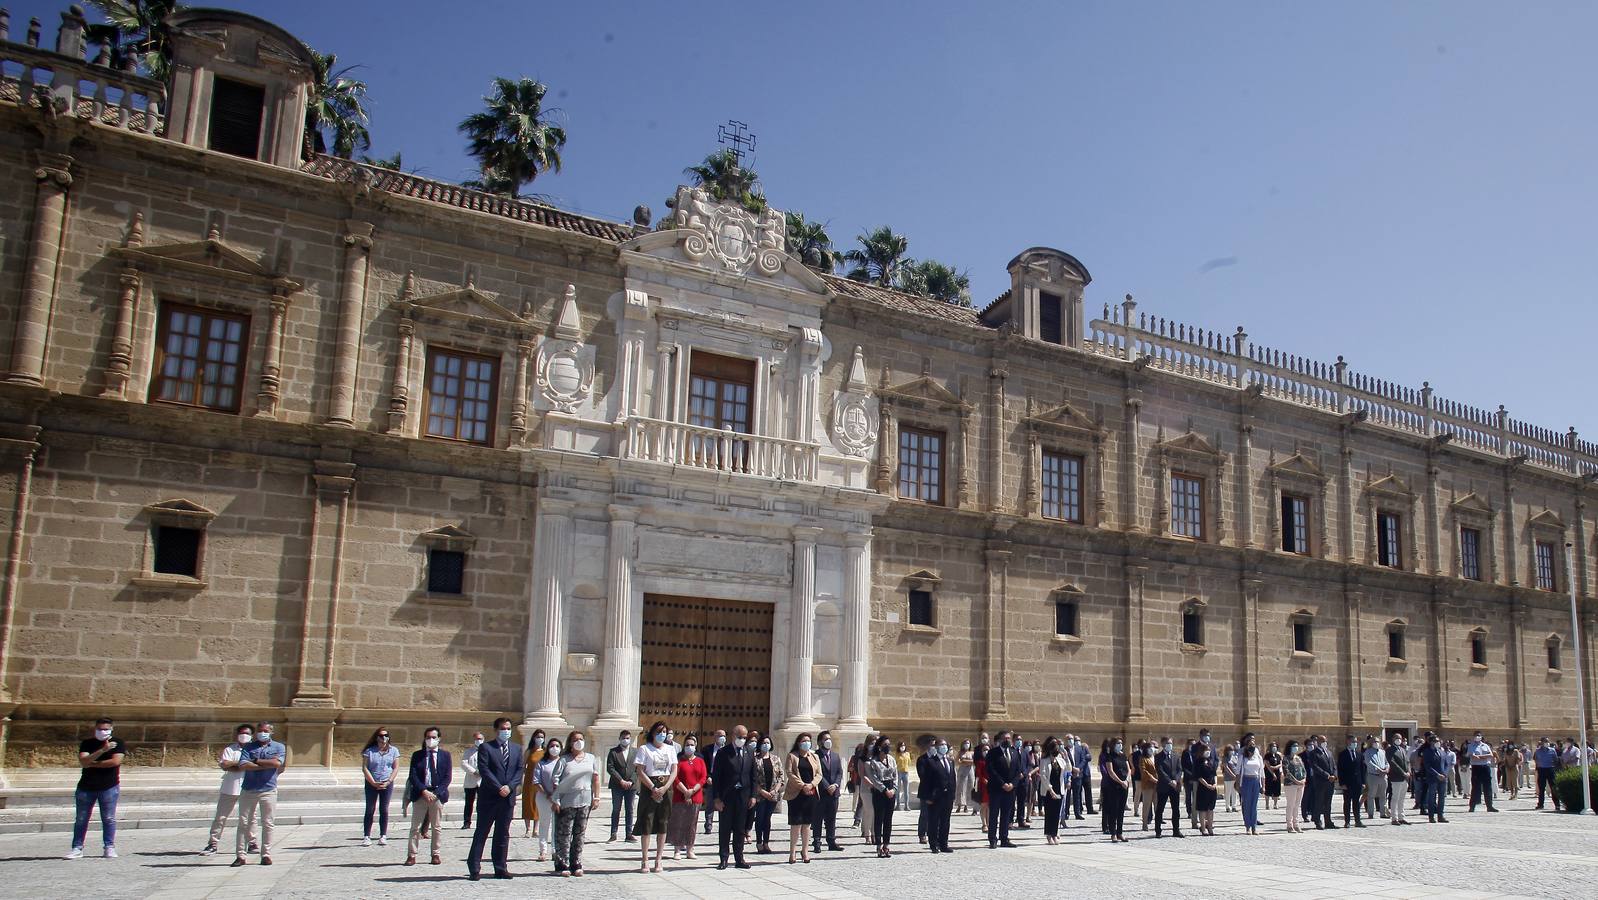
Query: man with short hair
(427,789)
(1433,775)
(1547,760)
(936,793)
(709,752)
(1322,775)
(227,798)
(827,794)
(1004,778)
(1351,775)
(261,763)
(1168,789)
(99,783)
(1481,757)
(1397,779)
(1081,777)
(1375,758)
(500,764)
(623,790)
(472,779)
(734,794)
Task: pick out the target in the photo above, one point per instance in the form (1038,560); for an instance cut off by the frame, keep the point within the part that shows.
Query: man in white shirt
(1481,756)
(471,779)
(1375,779)
(227,797)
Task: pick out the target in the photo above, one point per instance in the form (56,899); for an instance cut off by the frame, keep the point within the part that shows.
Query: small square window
(1301,637)
(921,608)
(446,571)
(177,551)
(1192,627)
(1065,619)
(1478,649)
(1395,644)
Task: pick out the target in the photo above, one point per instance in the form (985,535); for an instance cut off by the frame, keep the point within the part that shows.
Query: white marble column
(856,630)
(546,627)
(802,630)
(620,673)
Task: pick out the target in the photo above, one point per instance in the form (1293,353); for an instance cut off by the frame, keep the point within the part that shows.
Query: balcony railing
(70,85)
(696,447)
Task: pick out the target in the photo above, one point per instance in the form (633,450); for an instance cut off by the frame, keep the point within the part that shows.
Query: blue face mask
(660,738)
(805,746)
(504,734)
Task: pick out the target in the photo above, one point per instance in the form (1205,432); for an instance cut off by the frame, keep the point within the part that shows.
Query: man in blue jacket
(499,764)
(427,790)
(1351,775)
(1005,772)
(1433,773)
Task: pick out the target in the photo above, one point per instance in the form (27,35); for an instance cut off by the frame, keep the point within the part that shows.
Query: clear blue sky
(1411,185)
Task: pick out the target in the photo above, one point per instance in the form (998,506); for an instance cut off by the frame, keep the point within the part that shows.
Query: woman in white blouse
(1251,781)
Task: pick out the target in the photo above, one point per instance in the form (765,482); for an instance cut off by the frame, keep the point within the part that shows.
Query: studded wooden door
(706,663)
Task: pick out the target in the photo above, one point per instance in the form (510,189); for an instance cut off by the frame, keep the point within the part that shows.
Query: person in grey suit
(500,764)
(827,796)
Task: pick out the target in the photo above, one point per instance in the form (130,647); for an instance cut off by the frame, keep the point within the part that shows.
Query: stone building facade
(336,446)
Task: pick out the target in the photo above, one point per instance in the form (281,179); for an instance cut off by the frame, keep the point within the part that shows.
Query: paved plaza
(1517,853)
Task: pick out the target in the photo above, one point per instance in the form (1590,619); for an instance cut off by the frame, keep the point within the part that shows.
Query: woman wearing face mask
(1206,788)
(768,784)
(1054,778)
(656,765)
(1293,777)
(964,778)
(576,794)
(1230,760)
(544,789)
(379,760)
(882,777)
(804,779)
(1116,771)
(905,760)
(1251,781)
(1273,777)
(687,797)
(530,808)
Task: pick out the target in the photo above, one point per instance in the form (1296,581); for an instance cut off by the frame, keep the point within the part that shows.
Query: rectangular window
(1050,316)
(921,608)
(921,465)
(1470,554)
(1545,566)
(1301,637)
(1062,487)
(1192,627)
(236,110)
(199,358)
(1295,524)
(720,389)
(1553,654)
(1395,644)
(176,551)
(1065,619)
(1388,530)
(462,391)
(1478,649)
(1187,506)
(446,571)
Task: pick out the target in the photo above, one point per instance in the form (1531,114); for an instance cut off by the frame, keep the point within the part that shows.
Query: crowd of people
(661,790)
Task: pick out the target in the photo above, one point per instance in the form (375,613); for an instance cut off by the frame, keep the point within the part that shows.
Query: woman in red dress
(687,796)
(981,766)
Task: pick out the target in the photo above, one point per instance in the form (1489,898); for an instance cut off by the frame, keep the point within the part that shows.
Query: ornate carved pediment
(1391,486)
(1191,442)
(1472,503)
(729,235)
(854,411)
(1547,519)
(466,304)
(565,364)
(209,258)
(1297,466)
(1064,417)
(922,391)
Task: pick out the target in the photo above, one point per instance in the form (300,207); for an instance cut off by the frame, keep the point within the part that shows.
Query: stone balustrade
(64,82)
(696,447)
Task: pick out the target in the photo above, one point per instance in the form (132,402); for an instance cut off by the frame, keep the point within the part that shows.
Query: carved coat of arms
(728,234)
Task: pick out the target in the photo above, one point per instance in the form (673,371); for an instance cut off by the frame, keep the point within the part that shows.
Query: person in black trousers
(883,781)
(936,792)
(1168,768)
(1004,778)
(1115,788)
(500,764)
(733,787)
(1351,775)
(826,816)
(1322,775)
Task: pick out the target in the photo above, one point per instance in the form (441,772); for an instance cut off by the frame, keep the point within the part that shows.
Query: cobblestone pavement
(1517,852)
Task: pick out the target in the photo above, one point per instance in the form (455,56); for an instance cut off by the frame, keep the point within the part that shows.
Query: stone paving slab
(1516,853)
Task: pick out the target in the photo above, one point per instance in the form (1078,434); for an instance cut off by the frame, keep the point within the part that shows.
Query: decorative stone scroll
(565,363)
(729,234)
(854,412)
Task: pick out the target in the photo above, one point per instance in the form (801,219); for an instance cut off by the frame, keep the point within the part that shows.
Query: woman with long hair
(804,779)
(1273,776)
(1293,777)
(535,755)
(1206,788)
(544,787)
(882,778)
(964,778)
(575,794)
(687,798)
(1117,775)
(656,764)
(1251,781)
(980,767)
(1054,779)
(379,765)
(768,787)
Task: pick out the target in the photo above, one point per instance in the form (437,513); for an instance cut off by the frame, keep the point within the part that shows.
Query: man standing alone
(261,764)
(500,765)
(100,758)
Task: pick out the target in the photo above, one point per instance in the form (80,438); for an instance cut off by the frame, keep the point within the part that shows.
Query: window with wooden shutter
(236,111)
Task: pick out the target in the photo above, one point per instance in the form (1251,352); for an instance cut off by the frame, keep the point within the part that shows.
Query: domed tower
(239,85)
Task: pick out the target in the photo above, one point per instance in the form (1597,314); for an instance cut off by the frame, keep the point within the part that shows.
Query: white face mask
(826,744)
(721,741)
(103,733)
(736,742)
(626,742)
(577,745)
(692,747)
(432,743)
(477,742)
(246,737)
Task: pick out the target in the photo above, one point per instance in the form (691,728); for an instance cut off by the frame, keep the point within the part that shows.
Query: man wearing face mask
(471,779)
(1081,777)
(100,758)
(709,753)
(1322,775)
(427,788)
(826,816)
(1481,756)
(232,783)
(1168,769)
(623,790)
(261,764)
(500,765)
(1351,775)
(1004,780)
(734,792)
(936,792)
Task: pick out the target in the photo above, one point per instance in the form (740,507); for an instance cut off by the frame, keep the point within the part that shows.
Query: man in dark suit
(1322,775)
(1081,777)
(499,764)
(936,793)
(733,787)
(427,790)
(1004,780)
(1168,769)
(1351,775)
(827,795)
(708,751)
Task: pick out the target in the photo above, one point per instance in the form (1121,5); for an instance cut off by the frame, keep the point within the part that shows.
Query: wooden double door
(706,664)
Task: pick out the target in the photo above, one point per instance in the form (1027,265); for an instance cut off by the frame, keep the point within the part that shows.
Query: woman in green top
(1293,777)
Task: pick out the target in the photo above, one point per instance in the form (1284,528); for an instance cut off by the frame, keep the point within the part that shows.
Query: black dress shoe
(721,865)
(743,865)
(834,847)
(935,850)
(474,876)
(993,845)
(1007,844)
(502,874)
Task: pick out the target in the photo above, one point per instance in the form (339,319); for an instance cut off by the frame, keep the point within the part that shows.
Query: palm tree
(136,31)
(724,179)
(514,139)
(808,242)
(336,105)
(931,278)
(880,257)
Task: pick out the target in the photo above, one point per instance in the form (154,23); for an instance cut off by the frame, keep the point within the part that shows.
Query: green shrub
(1567,785)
